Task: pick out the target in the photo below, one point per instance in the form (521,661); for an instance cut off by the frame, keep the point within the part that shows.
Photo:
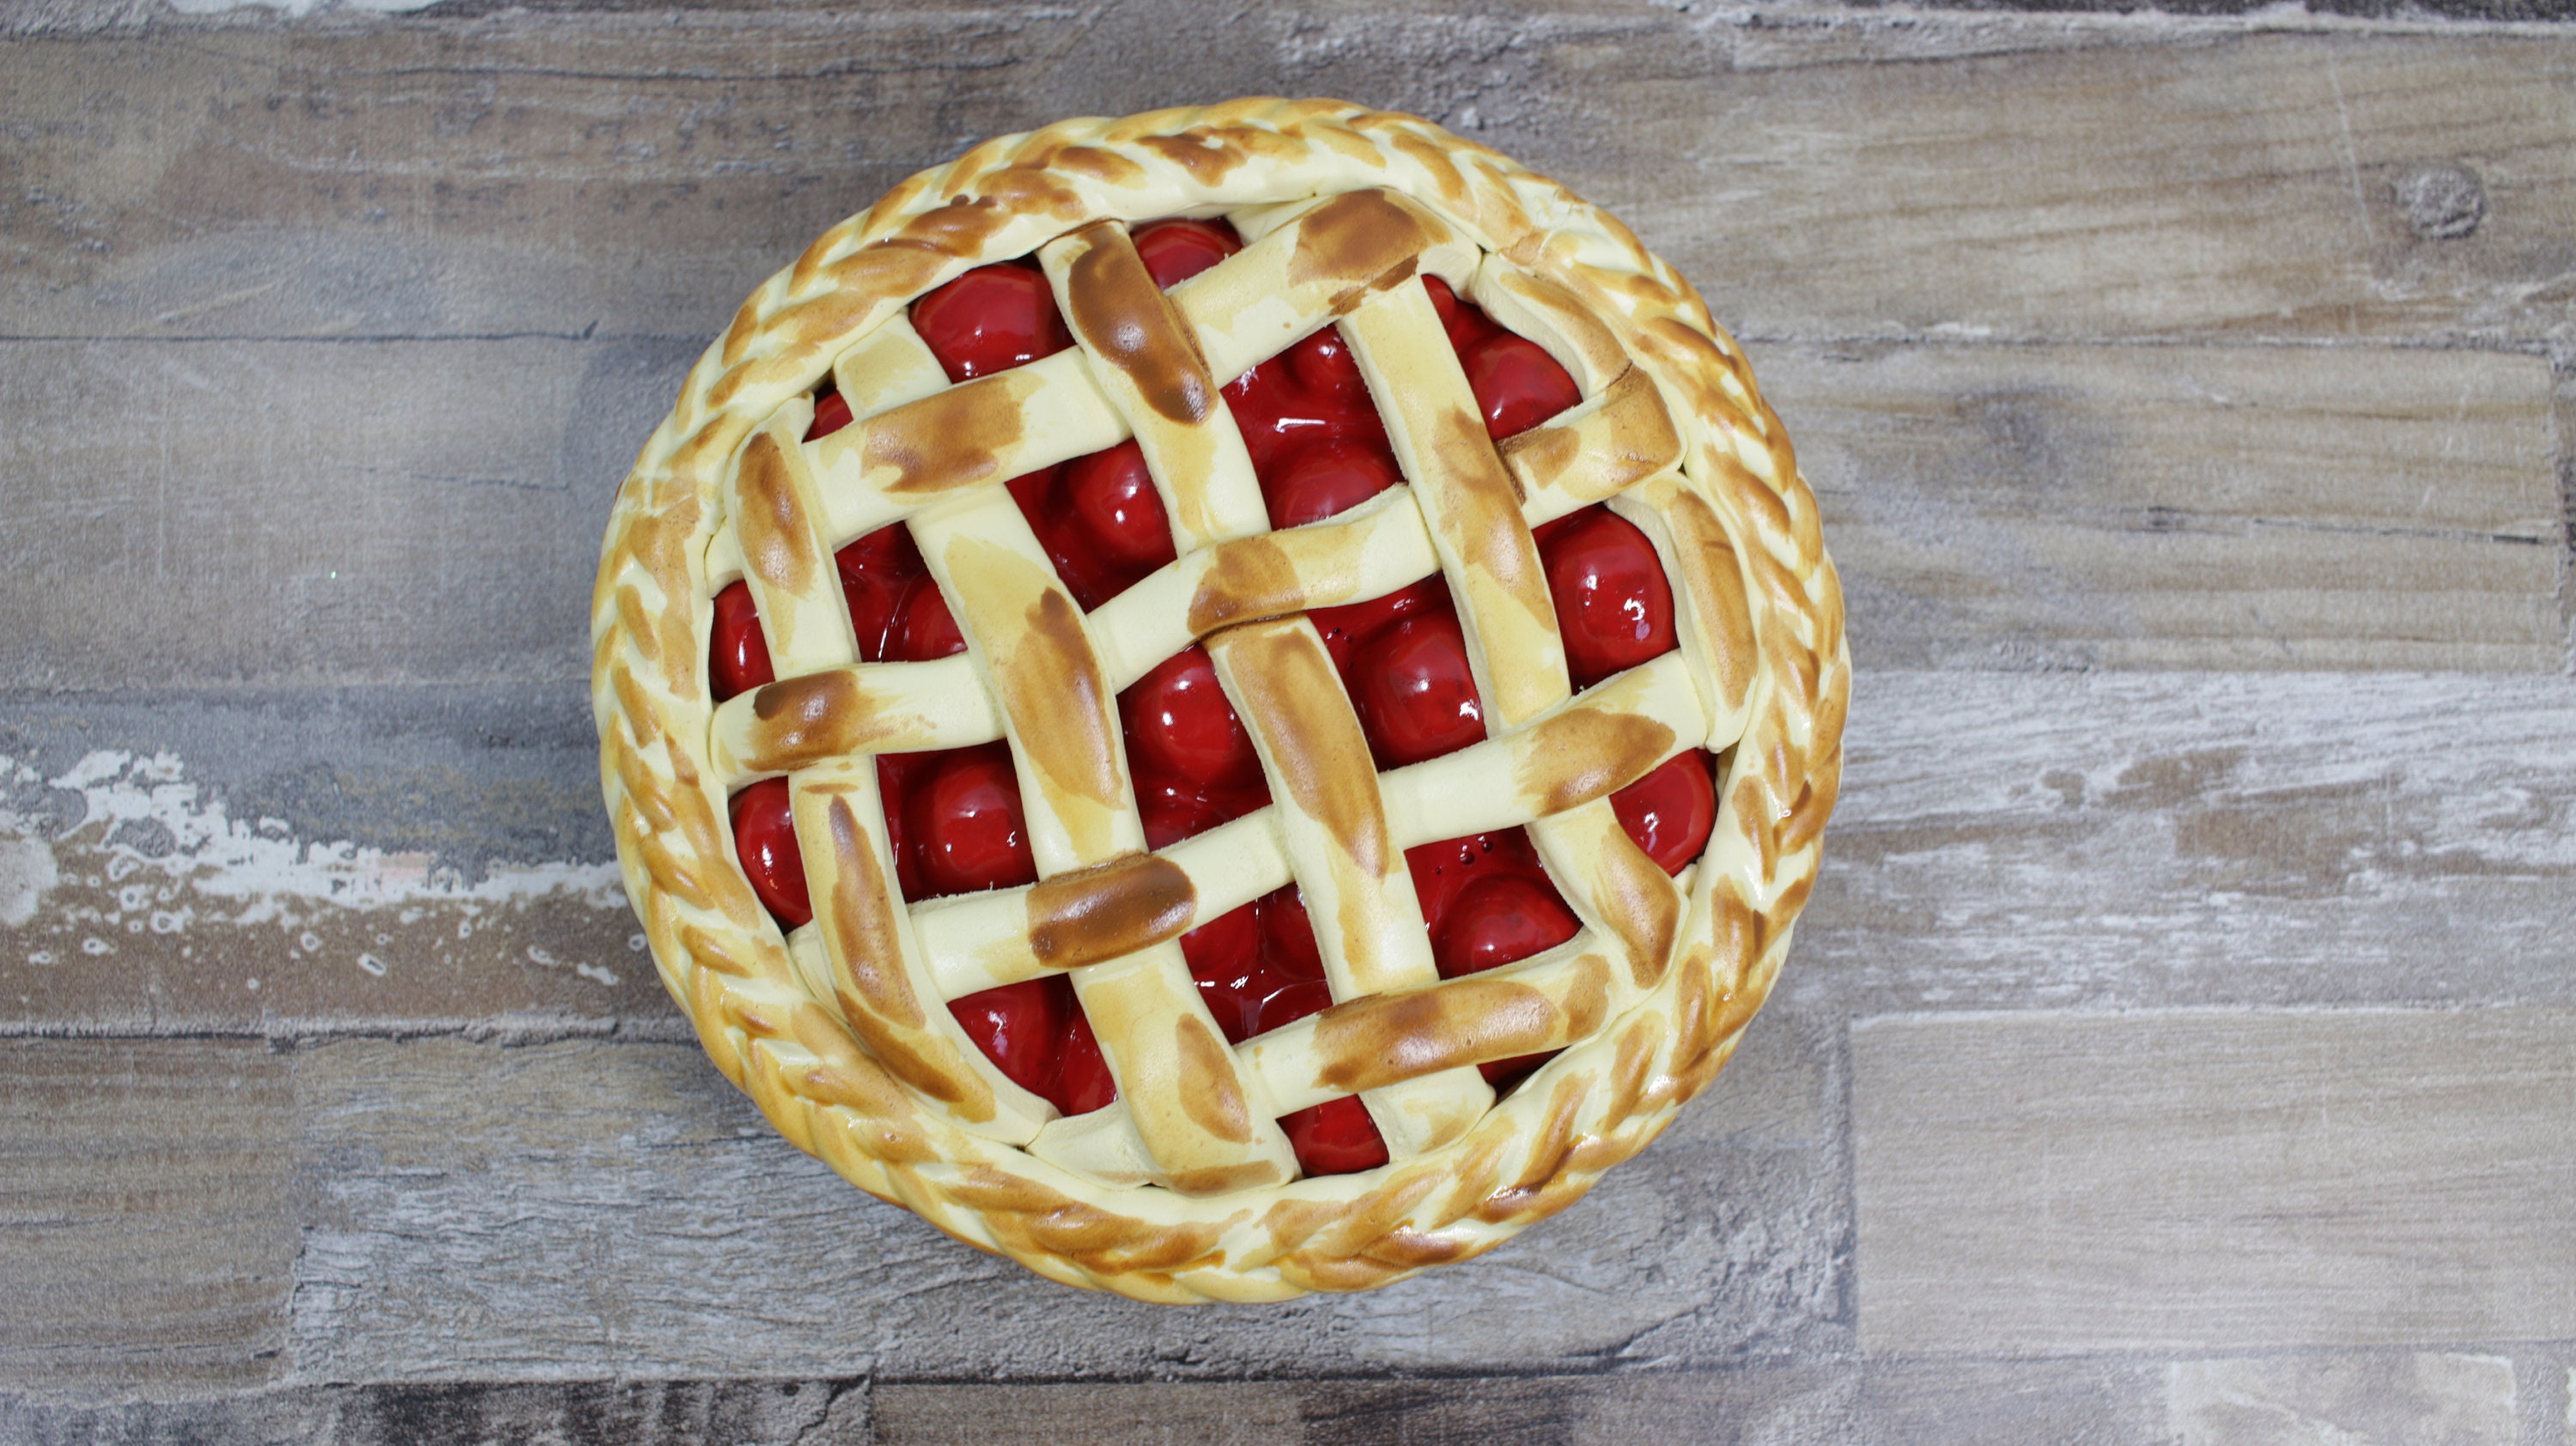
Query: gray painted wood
(2435,1398)
(559,173)
(144,1235)
(2173,1180)
(480,1212)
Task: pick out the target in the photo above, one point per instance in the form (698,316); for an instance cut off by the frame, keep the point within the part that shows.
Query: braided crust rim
(1541,1147)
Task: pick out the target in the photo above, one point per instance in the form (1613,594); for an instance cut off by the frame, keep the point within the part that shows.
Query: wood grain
(479,1212)
(569,172)
(2437,1398)
(538,1413)
(2013,842)
(2182,1181)
(2201,507)
(145,1235)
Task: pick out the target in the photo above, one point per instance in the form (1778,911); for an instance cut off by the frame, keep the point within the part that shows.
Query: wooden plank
(290,861)
(2017,841)
(2459,1400)
(394,512)
(1720,1408)
(557,173)
(2195,1181)
(307,513)
(144,1228)
(479,1212)
(561,1413)
(2143,507)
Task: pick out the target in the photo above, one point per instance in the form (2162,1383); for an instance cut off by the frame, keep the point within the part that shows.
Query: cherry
(1180,724)
(1466,324)
(1336,1137)
(966,825)
(831,414)
(1347,627)
(1083,1080)
(1020,1027)
(1440,870)
(991,319)
(1613,603)
(1327,476)
(764,841)
(1113,500)
(1277,414)
(1324,366)
(896,776)
(1176,250)
(1497,919)
(928,630)
(1225,955)
(1518,385)
(1415,696)
(1670,811)
(738,656)
(1172,810)
(1288,935)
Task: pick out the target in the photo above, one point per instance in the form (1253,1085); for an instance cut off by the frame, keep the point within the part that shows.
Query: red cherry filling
(1613,604)
(1327,476)
(966,822)
(764,841)
(1415,696)
(738,659)
(1335,1138)
(1178,722)
(831,414)
(1112,498)
(1670,811)
(1518,385)
(991,319)
(1174,251)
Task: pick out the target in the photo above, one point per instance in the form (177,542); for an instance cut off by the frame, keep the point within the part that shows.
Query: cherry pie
(1225,703)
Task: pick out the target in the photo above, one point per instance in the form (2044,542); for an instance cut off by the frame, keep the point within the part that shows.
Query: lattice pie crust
(1185,1188)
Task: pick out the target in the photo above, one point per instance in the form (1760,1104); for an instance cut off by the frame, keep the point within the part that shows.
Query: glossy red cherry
(1328,476)
(1518,385)
(1225,958)
(1290,1000)
(1336,1137)
(991,319)
(1177,250)
(1113,501)
(1498,919)
(1670,811)
(1324,366)
(927,630)
(1277,415)
(966,826)
(1613,604)
(1440,870)
(1180,724)
(1349,627)
(1288,935)
(1415,696)
(1466,323)
(764,840)
(897,774)
(1020,1027)
(738,655)
(831,414)
(1083,1081)
(877,574)
(1172,810)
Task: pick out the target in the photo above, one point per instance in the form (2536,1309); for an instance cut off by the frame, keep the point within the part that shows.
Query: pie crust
(1185,1189)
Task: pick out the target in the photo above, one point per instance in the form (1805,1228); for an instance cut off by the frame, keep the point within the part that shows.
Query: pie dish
(1225,703)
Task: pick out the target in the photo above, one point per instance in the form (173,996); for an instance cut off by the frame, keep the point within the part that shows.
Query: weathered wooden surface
(2178,1181)
(2189,399)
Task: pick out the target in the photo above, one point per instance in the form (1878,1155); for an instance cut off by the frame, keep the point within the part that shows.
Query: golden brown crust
(1722,499)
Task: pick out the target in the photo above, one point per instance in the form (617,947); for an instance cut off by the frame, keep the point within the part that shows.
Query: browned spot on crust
(1388,1038)
(1714,585)
(1206,154)
(1639,904)
(1226,1179)
(803,720)
(1619,444)
(1541,455)
(1108,166)
(777,544)
(1054,689)
(1481,512)
(1531,1195)
(1108,910)
(865,923)
(1357,237)
(947,440)
(1316,747)
(1210,1094)
(1251,578)
(1586,753)
(1040,1221)
(1130,324)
